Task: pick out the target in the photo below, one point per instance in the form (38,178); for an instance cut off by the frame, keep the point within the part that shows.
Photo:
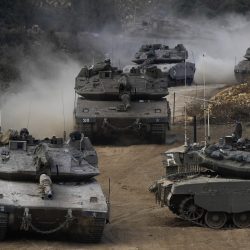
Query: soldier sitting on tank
(124,85)
(53,140)
(133,70)
(84,72)
(24,133)
(101,66)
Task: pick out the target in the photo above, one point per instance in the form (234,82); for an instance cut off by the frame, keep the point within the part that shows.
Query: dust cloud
(222,40)
(45,97)
(45,101)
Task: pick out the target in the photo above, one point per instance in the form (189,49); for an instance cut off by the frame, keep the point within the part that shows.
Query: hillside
(58,22)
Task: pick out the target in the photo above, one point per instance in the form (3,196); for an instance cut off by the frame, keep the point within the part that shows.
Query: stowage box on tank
(47,187)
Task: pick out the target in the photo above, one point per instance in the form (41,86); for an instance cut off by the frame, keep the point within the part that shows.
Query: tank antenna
(93,58)
(193,56)
(204,103)
(185,124)
(208,123)
(28,122)
(109,191)
(63,111)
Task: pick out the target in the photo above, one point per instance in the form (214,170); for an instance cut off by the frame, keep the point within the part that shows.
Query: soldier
(237,134)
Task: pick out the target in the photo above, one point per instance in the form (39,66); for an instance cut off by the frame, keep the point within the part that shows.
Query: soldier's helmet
(247,55)
(107,61)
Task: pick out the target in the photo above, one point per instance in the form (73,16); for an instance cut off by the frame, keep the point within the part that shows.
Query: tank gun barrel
(45,187)
(126,100)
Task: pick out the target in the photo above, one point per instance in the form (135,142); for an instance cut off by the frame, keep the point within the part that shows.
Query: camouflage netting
(227,106)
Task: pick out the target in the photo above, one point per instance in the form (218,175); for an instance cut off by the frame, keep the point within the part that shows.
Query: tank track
(158,132)
(4,218)
(94,233)
(96,230)
(213,220)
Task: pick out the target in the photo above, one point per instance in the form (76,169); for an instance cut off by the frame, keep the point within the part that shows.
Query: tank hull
(77,211)
(147,119)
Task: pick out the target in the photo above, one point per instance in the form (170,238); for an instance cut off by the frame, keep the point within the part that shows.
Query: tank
(242,69)
(171,63)
(48,187)
(208,185)
(113,105)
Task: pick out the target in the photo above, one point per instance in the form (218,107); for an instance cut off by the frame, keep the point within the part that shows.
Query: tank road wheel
(241,220)
(215,220)
(3,225)
(189,211)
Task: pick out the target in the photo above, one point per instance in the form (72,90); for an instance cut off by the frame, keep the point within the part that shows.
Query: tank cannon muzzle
(45,187)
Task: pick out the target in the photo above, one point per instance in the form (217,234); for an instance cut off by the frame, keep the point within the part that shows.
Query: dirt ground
(137,222)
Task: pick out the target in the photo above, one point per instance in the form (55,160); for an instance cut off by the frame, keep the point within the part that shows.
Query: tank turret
(53,190)
(247,55)
(158,53)
(242,69)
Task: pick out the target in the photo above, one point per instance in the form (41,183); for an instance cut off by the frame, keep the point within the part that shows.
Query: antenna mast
(204,103)
(185,142)
(28,122)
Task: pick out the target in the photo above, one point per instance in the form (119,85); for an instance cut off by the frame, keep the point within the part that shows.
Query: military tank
(208,186)
(170,62)
(242,69)
(112,104)
(48,187)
